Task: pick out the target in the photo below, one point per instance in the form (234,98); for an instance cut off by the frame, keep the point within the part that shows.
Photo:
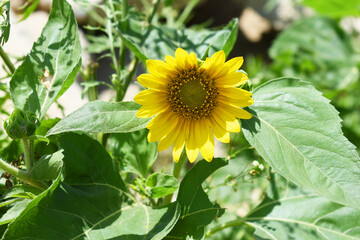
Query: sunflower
(192,102)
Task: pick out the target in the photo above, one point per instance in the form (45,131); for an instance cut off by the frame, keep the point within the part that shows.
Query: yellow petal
(236,93)
(149,96)
(169,139)
(207,148)
(240,102)
(237,112)
(218,58)
(177,150)
(158,132)
(192,150)
(193,60)
(158,68)
(220,132)
(150,81)
(180,141)
(147,112)
(232,79)
(234,64)
(223,118)
(181,56)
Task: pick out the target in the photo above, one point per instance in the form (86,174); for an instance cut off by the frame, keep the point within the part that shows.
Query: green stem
(153,11)
(124,9)
(132,69)
(224,225)
(7,61)
(21,175)
(176,173)
(179,165)
(185,14)
(27,154)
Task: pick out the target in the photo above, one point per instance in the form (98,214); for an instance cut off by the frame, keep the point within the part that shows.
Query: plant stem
(7,61)
(224,225)
(185,14)
(178,166)
(153,11)
(176,173)
(124,9)
(21,175)
(27,154)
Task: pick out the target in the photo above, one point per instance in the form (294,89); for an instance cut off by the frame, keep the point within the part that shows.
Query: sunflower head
(193,102)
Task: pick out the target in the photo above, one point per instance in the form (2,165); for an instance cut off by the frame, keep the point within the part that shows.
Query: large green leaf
(133,151)
(105,117)
(335,8)
(318,50)
(51,67)
(297,214)
(196,209)
(91,202)
(4,21)
(298,132)
(47,167)
(156,42)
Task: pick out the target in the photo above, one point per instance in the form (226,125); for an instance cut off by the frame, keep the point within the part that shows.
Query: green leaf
(14,210)
(91,203)
(315,49)
(47,167)
(298,132)
(4,21)
(161,185)
(51,67)
(196,209)
(301,215)
(21,191)
(133,151)
(156,42)
(104,117)
(28,8)
(335,8)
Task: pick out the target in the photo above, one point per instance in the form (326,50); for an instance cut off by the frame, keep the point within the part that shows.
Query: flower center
(192,94)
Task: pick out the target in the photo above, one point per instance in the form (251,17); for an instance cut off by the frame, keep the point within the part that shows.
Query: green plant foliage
(13,209)
(155,42)
(317,50)
(298,214)
(21,191)
(48,167)
(4,21)
(334,8)
(134,153)
(161,185)
(196,209)
(298,133)
(91,202)
(105,117)
(51,67)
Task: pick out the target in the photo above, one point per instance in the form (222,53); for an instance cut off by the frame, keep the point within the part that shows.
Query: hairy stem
(27,154)
(224,225)
(7,61)
(176,173)
(21,175)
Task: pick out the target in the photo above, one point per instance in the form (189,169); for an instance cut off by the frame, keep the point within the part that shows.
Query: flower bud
(20,124)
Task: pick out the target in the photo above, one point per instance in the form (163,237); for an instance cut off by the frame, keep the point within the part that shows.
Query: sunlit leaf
(51,66)
(298,132)
(105,117)
(4,21)
(298,214)
(47,167)
(156,42)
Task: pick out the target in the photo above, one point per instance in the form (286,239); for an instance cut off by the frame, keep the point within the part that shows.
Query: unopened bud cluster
(20,124)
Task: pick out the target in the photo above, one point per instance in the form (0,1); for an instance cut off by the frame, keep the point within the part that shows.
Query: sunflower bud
(20,124)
